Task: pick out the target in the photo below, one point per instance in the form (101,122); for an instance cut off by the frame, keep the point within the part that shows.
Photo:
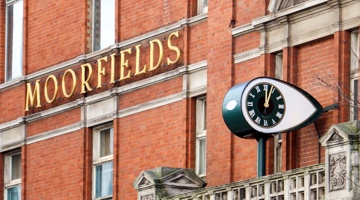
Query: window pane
(104,24)
(356,100)
(104,177)
(14,193)
(106,142)
(278,66)
(202,156)
(354,55)
(204,115)
(15,166)
(14,25)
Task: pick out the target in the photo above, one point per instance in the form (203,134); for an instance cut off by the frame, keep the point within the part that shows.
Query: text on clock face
(265,105)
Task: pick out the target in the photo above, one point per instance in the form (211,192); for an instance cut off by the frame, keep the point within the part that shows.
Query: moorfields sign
(124,71)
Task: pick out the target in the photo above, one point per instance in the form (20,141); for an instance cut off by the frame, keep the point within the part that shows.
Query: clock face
(265,105)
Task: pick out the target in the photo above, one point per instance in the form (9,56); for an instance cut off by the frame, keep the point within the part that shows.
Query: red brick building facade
(94,92)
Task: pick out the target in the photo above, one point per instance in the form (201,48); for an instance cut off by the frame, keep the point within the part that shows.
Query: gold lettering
(85,83)
(137,65)
(174,48)
(64,86)
(112,78)
(31,96)
(161,51)
(124,63)
(101,70)
(56,87)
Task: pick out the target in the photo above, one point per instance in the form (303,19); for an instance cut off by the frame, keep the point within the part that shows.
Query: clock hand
(267,97)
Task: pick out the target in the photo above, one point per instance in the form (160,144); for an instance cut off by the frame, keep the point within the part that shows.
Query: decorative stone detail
(341,144)
(335,138)
(148,197)
(144,182)
(166,181)
(337,173)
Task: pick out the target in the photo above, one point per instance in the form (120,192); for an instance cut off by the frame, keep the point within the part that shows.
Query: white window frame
(277,152)
(109,36)
(354,74)
(200,136)
(16,68)
(278,137)
(97,159)
(202,6)
(8,182)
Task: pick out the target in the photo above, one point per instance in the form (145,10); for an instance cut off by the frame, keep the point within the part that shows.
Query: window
(202,6)
(14,38)
(103,145)
(279,66)
(201,137)
(13,176)
(278,137)
(277,5)
(103,31)
(354,75)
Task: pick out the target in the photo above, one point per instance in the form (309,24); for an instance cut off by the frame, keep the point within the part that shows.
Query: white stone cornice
(151,81)
(247,28)
(12,83)
(100,120)
(247,55)
(241,30)
(197,91)
(11,146)
(54,133)
(294,9)
(12,124)
(53,111)
(151,104)
(197,66)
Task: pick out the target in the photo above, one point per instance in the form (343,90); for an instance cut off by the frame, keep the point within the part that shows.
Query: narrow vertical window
(14,38)
(201,136)
(103,145)
(13,176)
(278,137)
(103,27)
(354,75)
(279,66)
(202,6)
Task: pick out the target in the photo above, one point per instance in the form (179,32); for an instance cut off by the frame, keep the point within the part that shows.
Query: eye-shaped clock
(266,105)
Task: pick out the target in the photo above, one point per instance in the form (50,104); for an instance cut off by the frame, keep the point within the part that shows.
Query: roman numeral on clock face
(266,123)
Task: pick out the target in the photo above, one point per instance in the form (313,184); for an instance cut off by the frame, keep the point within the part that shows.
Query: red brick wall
(246,42)
(54,122)
(55,168)
(150,93)
(133,16)
(55,32)
(198,41)
(11,104)
(148,140)
(219,78)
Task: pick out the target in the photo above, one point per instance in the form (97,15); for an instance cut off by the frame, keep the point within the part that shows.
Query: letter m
(30,95)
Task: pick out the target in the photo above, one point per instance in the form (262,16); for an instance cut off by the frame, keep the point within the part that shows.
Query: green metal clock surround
(263,106)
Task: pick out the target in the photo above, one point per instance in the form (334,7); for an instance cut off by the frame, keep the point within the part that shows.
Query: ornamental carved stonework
(337,167)
(148,197)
